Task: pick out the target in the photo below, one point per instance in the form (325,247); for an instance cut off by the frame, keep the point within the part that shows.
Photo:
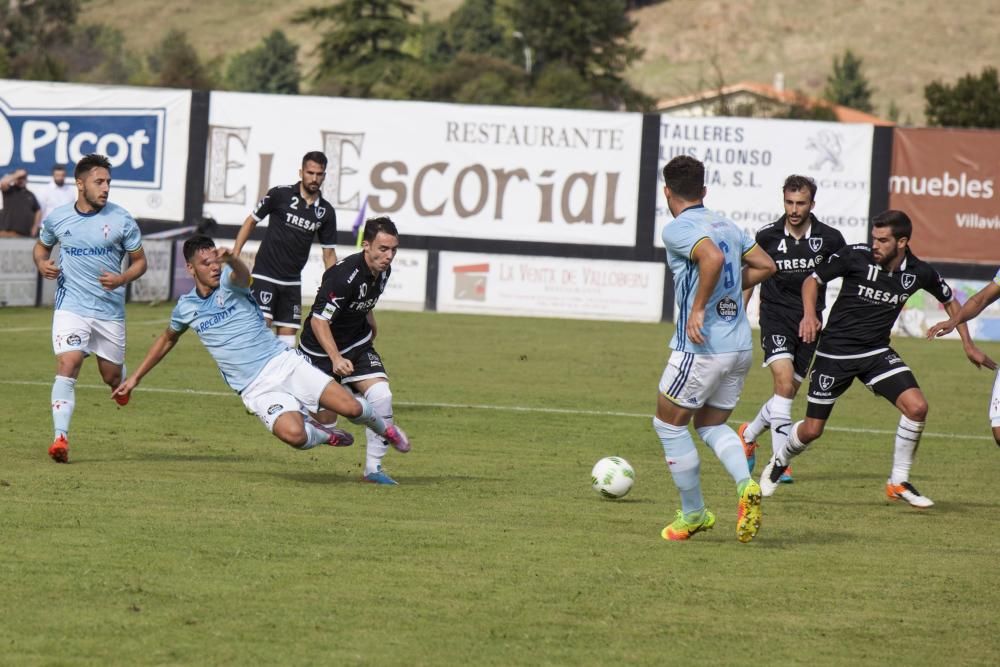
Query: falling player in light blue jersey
(94,237)
(275,382)
(712,261)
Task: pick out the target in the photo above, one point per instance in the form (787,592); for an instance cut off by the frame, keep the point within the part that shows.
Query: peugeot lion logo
(828,145)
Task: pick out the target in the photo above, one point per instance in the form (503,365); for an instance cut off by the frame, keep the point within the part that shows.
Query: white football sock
(907,440)
(684,464)
(379,396)
(760,423)
(781,420)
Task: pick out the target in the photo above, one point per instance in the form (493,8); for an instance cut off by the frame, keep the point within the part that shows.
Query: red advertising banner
(946,181)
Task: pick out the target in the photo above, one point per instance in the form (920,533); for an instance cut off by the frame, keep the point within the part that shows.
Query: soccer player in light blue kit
(94,237)
(276,383)
(712,348)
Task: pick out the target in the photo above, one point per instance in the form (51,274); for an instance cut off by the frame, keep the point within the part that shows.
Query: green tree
(588,37)
(973,101)
(28,29)
(271,67)
(175,64)
(97,54)
(473,28)
(847,86)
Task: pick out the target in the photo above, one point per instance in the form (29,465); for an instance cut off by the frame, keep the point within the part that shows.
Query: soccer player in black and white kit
(878,279)
(340,330)
(296,214)
(798,243)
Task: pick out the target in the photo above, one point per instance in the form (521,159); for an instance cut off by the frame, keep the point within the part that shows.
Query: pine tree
(847,85)
(269,68)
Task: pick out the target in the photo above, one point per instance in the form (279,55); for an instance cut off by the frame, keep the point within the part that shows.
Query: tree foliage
(973,101)
(174,63)
(271,67)
(587,37)
(28,28)
(847,85)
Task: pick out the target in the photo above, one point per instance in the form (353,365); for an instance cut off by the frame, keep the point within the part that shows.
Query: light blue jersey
(90,244)
(726,328)
(231,328)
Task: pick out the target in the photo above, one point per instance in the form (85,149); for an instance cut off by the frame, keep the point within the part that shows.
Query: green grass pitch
(183,533)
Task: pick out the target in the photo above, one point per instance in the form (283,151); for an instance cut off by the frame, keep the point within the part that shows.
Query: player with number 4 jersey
(798,243)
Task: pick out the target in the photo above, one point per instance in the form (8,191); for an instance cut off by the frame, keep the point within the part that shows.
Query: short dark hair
(380,224)
(685,176)
(796,183)
(314,156)
(897,221)
(88,162)
(195,244)
(59,167)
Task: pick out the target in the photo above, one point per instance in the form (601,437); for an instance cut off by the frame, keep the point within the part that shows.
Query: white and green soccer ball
(612,477)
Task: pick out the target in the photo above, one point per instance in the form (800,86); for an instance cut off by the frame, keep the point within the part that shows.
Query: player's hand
(809,328)
(49,269)
(342,366)
(127,385)
(110,281)
(979,358)
(696,321)
(224,255)
(941,329)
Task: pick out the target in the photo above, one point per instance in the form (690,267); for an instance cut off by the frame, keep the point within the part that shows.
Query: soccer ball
(612,477)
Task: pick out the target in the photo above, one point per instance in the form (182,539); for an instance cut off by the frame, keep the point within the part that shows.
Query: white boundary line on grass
(49,327)
(504,408)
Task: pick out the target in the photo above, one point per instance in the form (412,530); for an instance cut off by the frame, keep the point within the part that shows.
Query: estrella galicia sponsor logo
(132,139)
(73,340)
(908,280)
(727,309)
(826,381)
(274,409)
(815,243)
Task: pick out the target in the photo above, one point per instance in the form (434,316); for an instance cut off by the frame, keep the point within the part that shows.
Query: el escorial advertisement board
(946,181)
(445,170)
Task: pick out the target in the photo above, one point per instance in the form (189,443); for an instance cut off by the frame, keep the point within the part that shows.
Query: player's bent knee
(290,429)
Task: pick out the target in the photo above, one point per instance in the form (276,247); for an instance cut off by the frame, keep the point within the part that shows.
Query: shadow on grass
(355,478)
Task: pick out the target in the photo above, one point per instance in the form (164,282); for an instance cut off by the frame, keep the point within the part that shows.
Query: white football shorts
(693,380)
(287,383)
(77,333)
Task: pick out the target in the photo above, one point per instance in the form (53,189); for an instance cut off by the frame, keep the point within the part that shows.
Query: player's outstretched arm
(810,325)
(161,346)
(241,274)
(970,310)
(757,267)
(243,234)
(329,257)
(976,356)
